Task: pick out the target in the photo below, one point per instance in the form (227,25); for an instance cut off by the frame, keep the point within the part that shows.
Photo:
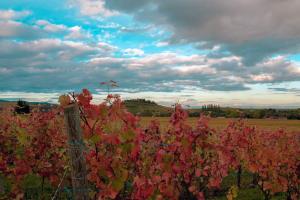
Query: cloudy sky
(242,53)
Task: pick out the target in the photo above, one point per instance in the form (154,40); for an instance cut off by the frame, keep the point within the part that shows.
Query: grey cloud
(255,51)
(169,71)
(49,64)
(52,64)
(127,6)
(135,29)
(277,69)
(11,29)
(14,29)
(220,86)
(289,90)
(254,30)
(49,49)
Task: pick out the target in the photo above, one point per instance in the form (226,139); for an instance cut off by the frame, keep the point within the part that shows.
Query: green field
(220,123)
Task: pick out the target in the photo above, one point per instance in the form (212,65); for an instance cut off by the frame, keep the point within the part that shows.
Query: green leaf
(20,151)
(113,127)
(118,183)
(22,136)
(95,138)
(127,136)
(31,181)
(127,147)
(5,185)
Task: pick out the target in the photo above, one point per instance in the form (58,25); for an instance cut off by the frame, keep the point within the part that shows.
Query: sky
(238,53)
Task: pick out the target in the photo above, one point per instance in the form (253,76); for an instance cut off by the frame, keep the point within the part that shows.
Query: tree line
(217,111)
(213,110)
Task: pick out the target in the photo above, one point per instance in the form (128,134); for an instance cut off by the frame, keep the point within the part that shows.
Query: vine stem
(58,187)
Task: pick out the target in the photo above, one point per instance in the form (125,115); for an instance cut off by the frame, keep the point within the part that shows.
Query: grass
(246,192)
(220,123)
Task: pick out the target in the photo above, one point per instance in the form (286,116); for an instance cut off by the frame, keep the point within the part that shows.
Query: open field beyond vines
(220,123)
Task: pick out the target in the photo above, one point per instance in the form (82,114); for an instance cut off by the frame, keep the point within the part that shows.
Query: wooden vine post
(76,152)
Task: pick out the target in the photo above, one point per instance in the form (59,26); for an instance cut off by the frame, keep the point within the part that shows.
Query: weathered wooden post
(76,152)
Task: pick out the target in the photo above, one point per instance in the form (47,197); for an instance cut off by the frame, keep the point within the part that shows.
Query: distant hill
(144,107)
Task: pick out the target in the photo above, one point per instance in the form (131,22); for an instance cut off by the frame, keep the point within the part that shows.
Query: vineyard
(120,159)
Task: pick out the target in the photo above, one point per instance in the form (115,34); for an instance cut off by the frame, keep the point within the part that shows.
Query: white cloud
(12,14)
(166,59)
(51,27)
(4,70)
(92,8)
(106,61)
(76,32)
(31,96)
(162,44)
(133,52)
(107,47)
(262,78)
(192,69)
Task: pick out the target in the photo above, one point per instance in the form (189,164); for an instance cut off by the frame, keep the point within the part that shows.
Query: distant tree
(147,113)
(233,113)
(259,114)
(22,107)
(214,110)
(293,115)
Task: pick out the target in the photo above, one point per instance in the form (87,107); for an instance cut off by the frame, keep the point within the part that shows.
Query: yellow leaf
(117,184)
(95,138)
(22,136)
(64,100)
(232,192)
